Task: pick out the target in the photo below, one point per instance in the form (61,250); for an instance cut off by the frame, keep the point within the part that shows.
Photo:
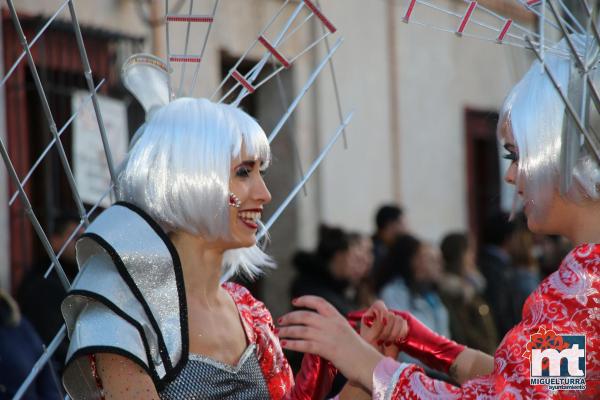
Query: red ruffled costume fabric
(316,374)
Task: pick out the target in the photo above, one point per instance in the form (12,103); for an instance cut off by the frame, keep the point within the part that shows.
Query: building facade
(423,129)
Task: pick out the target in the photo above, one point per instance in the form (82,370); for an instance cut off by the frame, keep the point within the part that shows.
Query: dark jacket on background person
(471,321)
(380,250)
(20,348)
(314,278)
(40,299)
(495,266)
(524,282)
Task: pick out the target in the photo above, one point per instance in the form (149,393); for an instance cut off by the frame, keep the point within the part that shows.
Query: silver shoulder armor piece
(128,299)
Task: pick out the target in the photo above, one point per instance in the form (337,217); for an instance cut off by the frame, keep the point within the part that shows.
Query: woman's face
(247,184)
(555,218)
(427,264)
(469,263)
(360,259)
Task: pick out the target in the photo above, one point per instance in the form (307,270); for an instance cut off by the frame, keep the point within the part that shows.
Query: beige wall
(438,73)
(117,15)
(355,180)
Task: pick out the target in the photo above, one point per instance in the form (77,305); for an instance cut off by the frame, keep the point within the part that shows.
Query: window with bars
(28,135)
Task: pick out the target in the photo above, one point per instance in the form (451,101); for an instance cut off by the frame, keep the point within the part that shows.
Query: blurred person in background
(550,250)
(526,274)
(39,298)
(20,348)
(360,266)
(336,271)
(462,289)
(389,221)
(496,266)
(408,280)
(326,272)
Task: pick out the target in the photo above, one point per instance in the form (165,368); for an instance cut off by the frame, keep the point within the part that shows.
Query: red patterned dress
(315,376)
(566,303)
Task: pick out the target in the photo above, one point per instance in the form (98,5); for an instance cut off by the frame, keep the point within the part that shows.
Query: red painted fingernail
(276,331)
(294,300)
(388,343)
(384,321)
(369,321)
(283,342)
(279,320)
(379,342)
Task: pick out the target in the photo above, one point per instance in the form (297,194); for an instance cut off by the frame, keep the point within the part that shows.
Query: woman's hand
(326,332)
(383,329)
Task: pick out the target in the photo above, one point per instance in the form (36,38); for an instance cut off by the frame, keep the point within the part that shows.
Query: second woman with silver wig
(562,314)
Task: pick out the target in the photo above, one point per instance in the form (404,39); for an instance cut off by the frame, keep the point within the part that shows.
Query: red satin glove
(314,379)
(434,350)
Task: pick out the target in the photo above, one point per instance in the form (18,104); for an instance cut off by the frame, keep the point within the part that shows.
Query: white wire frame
(55,265)
(285,35)
(515,36)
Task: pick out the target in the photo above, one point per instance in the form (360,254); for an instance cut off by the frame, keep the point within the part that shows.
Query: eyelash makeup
(242,172)
(512,156)
(245,172)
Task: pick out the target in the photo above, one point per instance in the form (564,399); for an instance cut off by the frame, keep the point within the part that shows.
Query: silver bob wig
(534,113)
(178,172)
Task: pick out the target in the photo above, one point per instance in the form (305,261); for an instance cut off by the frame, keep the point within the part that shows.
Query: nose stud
(234,201)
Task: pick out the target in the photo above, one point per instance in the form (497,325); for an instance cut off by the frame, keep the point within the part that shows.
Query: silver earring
(234,201)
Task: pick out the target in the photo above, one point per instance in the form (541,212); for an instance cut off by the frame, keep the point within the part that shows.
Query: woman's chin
(538,226)
(240,242)
(246,241)
(532,226)
(249,243)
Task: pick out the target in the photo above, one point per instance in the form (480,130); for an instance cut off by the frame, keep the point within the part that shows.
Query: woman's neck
(201,263)
(585,227)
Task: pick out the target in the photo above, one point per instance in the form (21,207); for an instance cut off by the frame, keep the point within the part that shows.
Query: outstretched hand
(322,330)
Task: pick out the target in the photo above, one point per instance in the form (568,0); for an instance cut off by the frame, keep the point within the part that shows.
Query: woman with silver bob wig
(180,171)
(148,316)
(565,303)
(531,129)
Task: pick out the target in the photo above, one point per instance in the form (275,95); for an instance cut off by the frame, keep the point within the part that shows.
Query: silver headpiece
(147,78)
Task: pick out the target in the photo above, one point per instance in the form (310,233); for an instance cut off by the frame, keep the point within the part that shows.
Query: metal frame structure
(504,32)
(244,86)
(552,15)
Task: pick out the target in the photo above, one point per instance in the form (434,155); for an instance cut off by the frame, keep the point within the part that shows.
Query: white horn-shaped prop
(147,78)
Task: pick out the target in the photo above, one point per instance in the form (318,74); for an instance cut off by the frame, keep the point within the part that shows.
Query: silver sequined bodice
(204,378)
